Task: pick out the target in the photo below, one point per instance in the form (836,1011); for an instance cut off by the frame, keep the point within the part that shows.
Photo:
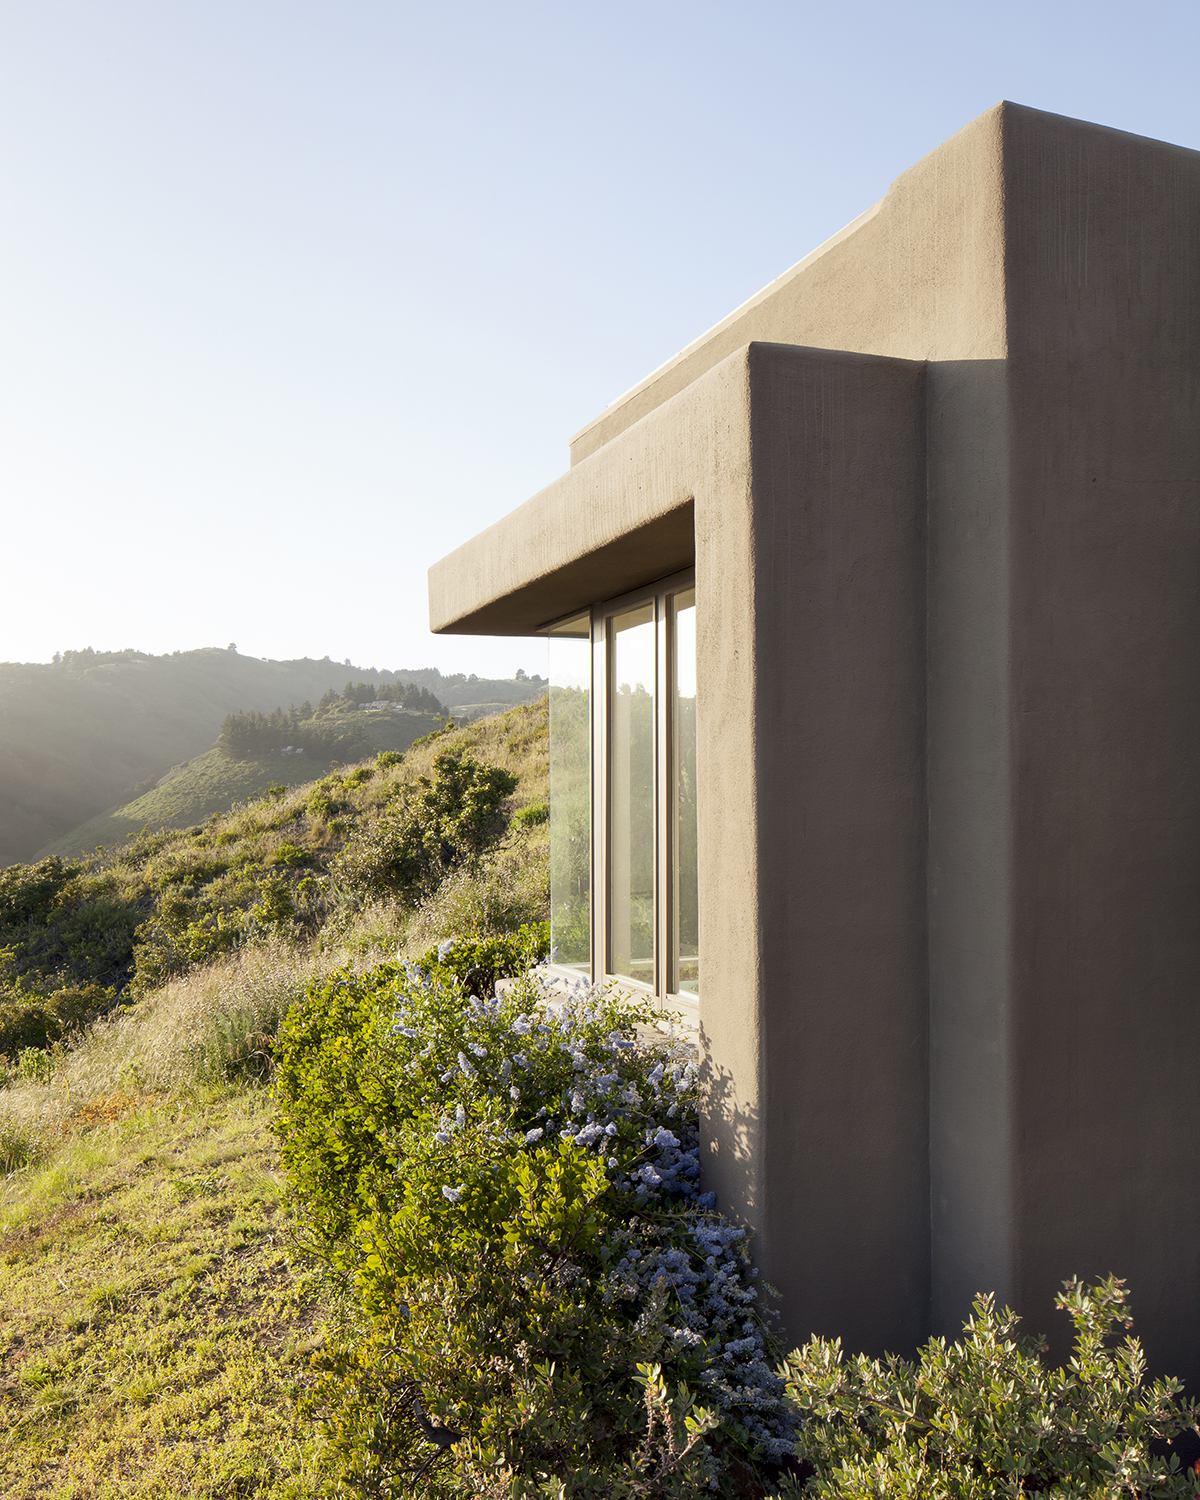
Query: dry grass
(154,1328)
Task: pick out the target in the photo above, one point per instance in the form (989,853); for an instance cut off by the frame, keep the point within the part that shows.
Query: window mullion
(662,801)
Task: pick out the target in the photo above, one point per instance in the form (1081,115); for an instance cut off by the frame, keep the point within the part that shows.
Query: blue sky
(296,297)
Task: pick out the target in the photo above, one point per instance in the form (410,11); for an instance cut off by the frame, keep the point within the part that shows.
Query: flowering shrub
(986,1417)
(539,1298)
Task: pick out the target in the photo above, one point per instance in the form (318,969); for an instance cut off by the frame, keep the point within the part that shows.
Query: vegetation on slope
(156,1325)
(78,938)
(91,731)
(508,1188)
(520,1290)
(211,783)
(156,1315)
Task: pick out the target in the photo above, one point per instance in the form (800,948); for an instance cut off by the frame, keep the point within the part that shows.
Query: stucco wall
(919,276)
(1023,853)
(1103,267)
(813,650)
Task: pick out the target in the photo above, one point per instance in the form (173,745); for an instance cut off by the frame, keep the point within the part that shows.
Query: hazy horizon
(345,664)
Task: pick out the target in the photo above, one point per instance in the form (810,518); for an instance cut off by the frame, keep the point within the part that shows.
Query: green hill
(158,1317)
(92,732)
(214,782)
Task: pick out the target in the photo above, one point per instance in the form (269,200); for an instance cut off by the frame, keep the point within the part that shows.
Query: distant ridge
(93,731)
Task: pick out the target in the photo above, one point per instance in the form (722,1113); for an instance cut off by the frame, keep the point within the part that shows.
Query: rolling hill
(214,782)
(91,732)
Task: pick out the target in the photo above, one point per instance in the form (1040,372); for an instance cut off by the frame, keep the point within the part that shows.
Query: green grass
(119,923)
(157,1319)
(156,1322)
(212,783)
(189,793)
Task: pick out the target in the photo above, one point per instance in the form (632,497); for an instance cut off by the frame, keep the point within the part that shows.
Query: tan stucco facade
(941,487)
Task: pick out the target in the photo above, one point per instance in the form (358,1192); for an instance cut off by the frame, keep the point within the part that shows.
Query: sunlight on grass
(155,1325)
(157,1321)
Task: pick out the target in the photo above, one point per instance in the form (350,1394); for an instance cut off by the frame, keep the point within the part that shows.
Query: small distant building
(874,621)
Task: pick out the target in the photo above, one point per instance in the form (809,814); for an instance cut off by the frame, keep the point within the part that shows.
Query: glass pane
(631,795)
(685,884)
(570,794)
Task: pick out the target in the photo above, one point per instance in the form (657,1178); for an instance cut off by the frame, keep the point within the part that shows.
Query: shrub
(986,1417)
(292,856)
(442,822)
(178,936)
(37,1021)
(30,891)
(35,1065)
(477,963)
(325,798)
(541,1296)
(59,929)
(533,815)
(27,1022)
(275,907)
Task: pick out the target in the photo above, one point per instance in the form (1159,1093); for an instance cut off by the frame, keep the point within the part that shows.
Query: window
(570,794)
(685,871)
(623,851)
(632,640)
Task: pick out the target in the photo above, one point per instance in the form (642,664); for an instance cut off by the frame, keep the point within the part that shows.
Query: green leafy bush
(179,935)
(325,799)
(539,1299)
(30,891)
(66,947)
(477,963)
(292,856)
(442,821)
(986,1417)
(33,1020)
(533,815)
(58,929)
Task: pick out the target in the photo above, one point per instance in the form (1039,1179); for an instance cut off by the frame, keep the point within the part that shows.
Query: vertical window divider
(600,798)
(662,977)
(662,821)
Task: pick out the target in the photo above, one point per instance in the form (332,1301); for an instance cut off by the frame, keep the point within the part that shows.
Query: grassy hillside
(210,783)
(156,1316)
(213,782)
(155,1327)
(83,735)
(299,864)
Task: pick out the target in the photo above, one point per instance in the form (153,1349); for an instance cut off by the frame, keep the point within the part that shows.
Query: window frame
(658,594)
(572,972)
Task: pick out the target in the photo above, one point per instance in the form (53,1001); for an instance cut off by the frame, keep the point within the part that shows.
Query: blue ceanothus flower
(557,1070)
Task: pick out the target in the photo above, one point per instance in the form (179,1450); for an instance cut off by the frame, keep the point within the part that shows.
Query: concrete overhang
(621,518)
(919,276)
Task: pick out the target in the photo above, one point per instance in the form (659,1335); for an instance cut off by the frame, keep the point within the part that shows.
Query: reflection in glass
(570,794)
(631,794)
(685,884)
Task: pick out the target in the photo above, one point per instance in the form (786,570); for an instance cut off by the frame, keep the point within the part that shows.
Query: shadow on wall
(729,1137)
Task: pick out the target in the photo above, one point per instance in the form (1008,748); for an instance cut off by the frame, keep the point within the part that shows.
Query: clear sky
(295,297)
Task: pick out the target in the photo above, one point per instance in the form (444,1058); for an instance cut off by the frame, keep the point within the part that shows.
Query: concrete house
(875,719)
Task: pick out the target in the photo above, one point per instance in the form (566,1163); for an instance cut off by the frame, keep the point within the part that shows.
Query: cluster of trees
(89,657)
(407,694)
(246,734)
